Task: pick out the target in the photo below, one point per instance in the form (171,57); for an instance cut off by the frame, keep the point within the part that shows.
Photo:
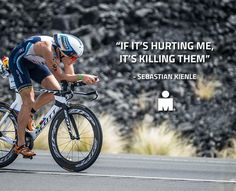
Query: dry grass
(160,141)
(147,140)
(228,152)
(143,100)
(85,133)
(205,88)
(112,141)
(41,143)
(7,129)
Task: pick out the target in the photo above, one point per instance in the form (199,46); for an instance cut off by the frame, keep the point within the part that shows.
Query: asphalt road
(121,172)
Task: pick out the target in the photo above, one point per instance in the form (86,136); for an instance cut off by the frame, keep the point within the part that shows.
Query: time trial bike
(75,134)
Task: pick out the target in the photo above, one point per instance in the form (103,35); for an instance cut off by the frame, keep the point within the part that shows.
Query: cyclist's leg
(42,75)
(50,82)
(25,89)
(27,95)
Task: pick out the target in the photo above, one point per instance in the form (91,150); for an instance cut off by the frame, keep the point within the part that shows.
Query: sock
(33,111)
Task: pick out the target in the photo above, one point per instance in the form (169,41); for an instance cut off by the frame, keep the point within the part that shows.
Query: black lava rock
(101,23)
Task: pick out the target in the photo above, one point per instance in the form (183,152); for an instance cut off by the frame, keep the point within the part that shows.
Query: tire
(89,144)
(7,156)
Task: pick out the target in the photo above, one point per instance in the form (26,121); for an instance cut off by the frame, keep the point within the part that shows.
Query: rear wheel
(79,151)
(8,134)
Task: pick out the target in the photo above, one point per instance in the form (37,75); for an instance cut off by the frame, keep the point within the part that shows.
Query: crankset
(29,142)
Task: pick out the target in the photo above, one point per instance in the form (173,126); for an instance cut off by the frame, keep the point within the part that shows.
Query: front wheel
(79,149)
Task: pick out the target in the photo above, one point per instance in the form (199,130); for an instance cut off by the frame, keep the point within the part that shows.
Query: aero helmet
(69,45)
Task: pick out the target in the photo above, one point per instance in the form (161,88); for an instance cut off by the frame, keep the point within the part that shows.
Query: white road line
(122,176)
(161,158)
(173,159)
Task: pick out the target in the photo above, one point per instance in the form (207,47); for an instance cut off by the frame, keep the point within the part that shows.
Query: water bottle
(5,61)
(4,65)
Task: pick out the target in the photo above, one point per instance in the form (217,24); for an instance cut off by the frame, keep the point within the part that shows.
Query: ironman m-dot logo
(165,103)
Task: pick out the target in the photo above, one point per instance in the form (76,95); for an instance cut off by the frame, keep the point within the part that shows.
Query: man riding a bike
(38,58)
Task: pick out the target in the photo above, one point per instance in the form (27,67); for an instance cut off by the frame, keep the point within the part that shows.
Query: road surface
(121,172)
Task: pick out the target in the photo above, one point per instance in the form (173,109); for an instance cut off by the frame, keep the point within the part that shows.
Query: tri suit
(25,65)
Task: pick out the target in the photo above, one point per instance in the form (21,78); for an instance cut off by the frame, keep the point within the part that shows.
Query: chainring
(29,142)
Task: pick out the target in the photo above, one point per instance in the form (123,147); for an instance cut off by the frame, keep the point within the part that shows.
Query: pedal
(26,157)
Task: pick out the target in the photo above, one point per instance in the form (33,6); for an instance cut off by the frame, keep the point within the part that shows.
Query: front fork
(71,125)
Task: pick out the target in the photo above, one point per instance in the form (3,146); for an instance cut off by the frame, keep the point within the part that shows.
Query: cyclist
(38,58)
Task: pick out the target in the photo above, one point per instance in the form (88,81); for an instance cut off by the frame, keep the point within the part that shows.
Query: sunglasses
(74,58)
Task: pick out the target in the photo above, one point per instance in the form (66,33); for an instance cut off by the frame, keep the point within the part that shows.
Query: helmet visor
(73,57)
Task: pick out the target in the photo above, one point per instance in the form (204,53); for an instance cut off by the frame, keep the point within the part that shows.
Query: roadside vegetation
(41,143)
(229,151)
(147,139)
(112,141)
(160,140)
(205,88)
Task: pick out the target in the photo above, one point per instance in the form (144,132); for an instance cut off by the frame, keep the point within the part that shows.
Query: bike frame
(61,103)
(16,105)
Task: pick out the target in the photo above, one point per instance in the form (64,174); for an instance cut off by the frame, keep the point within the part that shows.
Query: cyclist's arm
(44,49)
(69,68)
